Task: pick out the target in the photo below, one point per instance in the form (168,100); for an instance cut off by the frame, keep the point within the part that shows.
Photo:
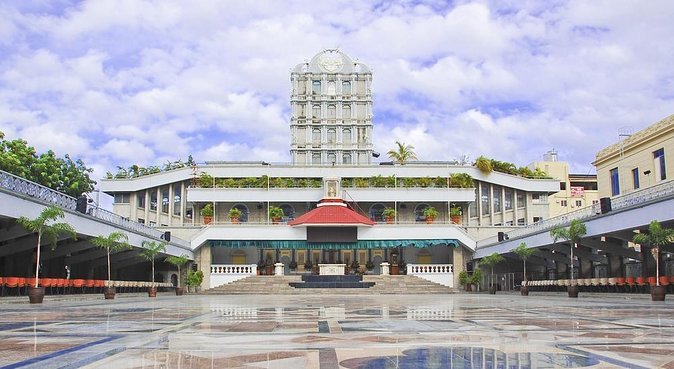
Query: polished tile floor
(331,332)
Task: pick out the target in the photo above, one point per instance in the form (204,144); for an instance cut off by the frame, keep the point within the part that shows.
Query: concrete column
(183,203)
(458,262)
(614,265)
(585,268)
(385,268)
(647,262)
(169,221)
(203,258)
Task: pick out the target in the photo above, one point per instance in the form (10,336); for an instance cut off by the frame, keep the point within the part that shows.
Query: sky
(123,82)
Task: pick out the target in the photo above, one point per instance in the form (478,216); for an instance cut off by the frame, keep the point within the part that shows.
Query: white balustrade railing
(438,273)
(247,269)
(416,269)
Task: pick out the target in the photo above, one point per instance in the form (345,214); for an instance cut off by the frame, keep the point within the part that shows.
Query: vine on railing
(48,196)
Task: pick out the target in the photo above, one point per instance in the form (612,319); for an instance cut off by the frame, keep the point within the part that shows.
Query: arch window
(316,158)
(419,213)
(377,212)
(288,212)
(332,111)
(316,111)
(346,136)
(316,136)
(332,158)
(316,87)
(332,88)
(332,135)
(346,111)
(346,159)
(244,212)
(346,88)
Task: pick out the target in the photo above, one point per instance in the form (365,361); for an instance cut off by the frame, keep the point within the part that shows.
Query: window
(346,88)
(332,159)
(615,182)
(346,159)
(579,203)
(316,158)
(635,178)
(484,199)
(472,206)
(562,186)
(332,111)
(376,212)
(122,198)
(346,136)
(316,111)
(164,200)
(497,198)
(659,163)
(346,111)
(538,219)
(316,87)
(316,136)
(140,199)
(188,213)
(153,200)
(508,199)
(141,220)
(331,88)
(177,193)
(521,222)
(521,203)
(539,198)
(563,203)
(332,135)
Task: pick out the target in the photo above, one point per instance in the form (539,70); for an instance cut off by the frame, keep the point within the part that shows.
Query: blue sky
(122,82)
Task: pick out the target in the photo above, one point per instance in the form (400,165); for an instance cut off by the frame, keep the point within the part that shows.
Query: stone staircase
(279,285)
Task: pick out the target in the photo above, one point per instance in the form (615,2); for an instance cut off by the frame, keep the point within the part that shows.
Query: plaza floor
(545,330)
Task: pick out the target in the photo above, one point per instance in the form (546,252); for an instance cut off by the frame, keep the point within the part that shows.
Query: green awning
(301,244)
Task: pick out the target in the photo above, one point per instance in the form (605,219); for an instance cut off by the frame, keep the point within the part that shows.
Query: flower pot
(208,219)
(658,293)
(492,290)
(456,219)
(109,293)
(275,220)
(180,291)
(234,220)
(430,220)
(469,287)
(524,290)
(35,295)
(572,291)
(389,220)
(152,291)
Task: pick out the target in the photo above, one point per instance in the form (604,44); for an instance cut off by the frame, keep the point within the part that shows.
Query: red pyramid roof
(332,213)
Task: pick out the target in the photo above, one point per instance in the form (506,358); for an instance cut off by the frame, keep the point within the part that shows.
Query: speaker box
(167,236)
(605,204)
(81,204)
(501,236)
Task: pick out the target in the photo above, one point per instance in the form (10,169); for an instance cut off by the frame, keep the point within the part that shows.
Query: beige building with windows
(639,161)
(576,191)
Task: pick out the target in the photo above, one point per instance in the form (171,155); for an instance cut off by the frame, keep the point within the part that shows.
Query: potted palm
(430,213)
(178,261)
(464,280)
(45,226)
(573,234)
(475,279)
(194,279)
(234,215)
(150,251)
(484,164)
(490,261)
(207,213)
(275,214)
(656,237)
(455,214)
(523,252)
(389,215)
(115,241)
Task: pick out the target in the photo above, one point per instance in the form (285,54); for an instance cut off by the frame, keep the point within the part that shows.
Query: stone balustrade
(228,273)
(438,273)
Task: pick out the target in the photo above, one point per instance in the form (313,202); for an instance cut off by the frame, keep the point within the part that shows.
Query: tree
(178,261)
(490,261)
(115,241)
(523,252)
(484,164)
(150,251)
(656,237)
(403,153)
(573,234)
(45,226)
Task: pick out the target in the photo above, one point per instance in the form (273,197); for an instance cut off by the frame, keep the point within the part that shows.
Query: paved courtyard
(330,332)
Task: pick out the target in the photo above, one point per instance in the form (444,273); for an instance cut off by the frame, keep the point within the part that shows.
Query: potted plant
(194,279)
(476,279)
(207,213)
(260,267)
(523,252)
(455,213)
(234,215)
(292,265)
(46,227)
(573,234)
(656,237)
(308,265)
(369,265)
(484,164)
(205,180)
(464,280)
(389,214)
(430,213)
(150,251)
(490,261)
(178,261)
(275,214)
(115,241)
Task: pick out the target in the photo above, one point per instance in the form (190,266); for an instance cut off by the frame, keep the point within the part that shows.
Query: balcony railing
(47,196)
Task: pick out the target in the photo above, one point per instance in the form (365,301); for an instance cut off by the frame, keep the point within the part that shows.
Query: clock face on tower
(331,62)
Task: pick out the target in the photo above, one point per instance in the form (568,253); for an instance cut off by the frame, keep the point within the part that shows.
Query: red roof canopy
(332,213)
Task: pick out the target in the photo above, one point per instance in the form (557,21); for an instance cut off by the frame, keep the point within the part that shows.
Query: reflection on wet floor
(365,332)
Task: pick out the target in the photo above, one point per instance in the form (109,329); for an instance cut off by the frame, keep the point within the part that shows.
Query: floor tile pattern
(338,332)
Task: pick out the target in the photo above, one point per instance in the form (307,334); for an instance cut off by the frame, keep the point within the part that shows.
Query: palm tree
(656,237)
(115,241)
(573,234)
(403,154)
(490,261)
(523,252)
(484,164)
(178,261)
(46,227)
(150,251)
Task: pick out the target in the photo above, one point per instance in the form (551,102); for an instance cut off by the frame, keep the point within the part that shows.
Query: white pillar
(384,268)
(278,269)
